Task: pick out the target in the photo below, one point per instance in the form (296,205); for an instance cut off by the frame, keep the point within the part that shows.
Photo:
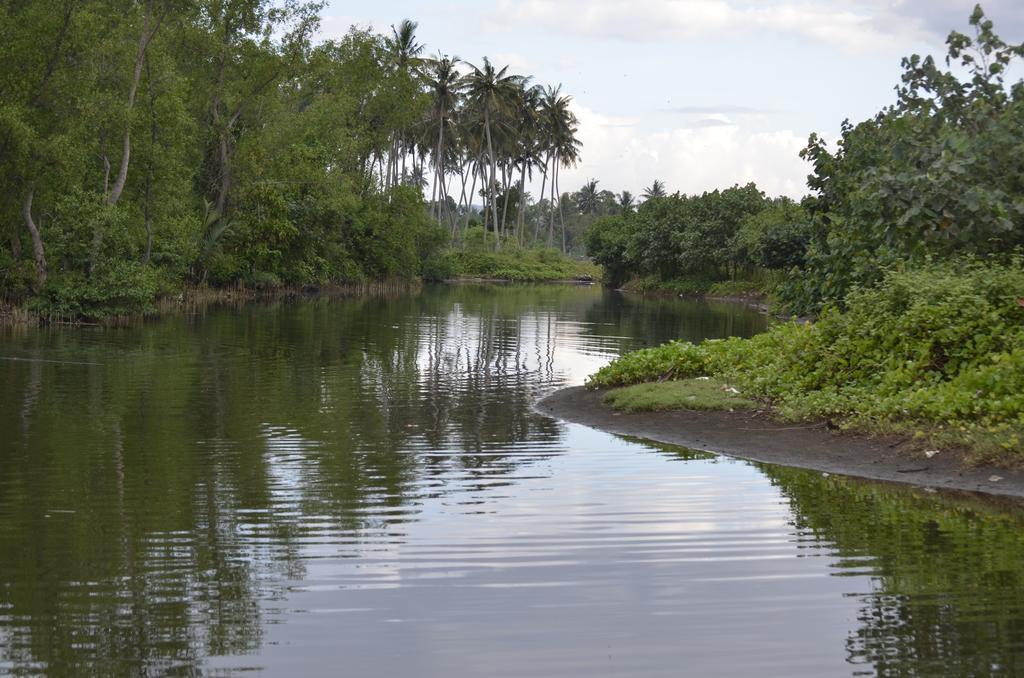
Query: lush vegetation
(690,243)
(937,352)
(163,143)
(906,251)
(937,175)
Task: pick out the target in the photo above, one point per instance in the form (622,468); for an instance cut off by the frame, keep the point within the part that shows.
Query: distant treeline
(937,175)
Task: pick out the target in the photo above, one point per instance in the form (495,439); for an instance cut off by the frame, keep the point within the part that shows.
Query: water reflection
(293,485)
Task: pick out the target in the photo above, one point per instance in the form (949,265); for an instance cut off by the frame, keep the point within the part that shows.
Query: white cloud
(688,159)
(846,24)
(517,63)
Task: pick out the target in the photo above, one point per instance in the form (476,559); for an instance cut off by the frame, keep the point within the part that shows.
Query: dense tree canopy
(159,142)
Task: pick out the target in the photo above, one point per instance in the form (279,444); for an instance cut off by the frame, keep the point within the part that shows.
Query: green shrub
(941,347)
(116,288)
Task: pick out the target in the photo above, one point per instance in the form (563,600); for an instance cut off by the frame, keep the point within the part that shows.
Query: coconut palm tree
(626,202)
(490,93)
(560,128)
(587,199)
(443,83)
(405,52)
(655,190)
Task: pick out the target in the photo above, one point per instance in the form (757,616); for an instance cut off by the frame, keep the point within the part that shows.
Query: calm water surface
(361,488)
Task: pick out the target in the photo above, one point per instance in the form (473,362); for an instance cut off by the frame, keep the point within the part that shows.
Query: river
(361,487)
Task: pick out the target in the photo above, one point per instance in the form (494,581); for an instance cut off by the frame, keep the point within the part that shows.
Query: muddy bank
(753,436)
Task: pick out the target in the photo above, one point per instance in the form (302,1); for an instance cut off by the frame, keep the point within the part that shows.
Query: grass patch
(522,265)
(687,394)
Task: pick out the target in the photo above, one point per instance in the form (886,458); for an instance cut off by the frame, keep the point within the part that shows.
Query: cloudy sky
(698,93)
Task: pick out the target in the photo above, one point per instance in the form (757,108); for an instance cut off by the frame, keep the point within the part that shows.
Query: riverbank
(199,296)
(756,436)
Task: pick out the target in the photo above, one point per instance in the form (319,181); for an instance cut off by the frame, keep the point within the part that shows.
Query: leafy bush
(939,174)
(941,347)
(116,288)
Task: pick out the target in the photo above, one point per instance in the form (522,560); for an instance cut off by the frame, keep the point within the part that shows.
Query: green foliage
(701,393)
(686,244)
(939,174)
(940,348)
(255,156)
(774,238)
(117,288)
(606,243)
(533,265)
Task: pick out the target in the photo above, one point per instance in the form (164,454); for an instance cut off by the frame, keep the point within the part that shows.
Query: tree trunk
(521,217)
(561,212)
(126,142)
(543,188)
(504,203)
(439,163)
(490,189)
(469,199)
(551,212)
(37,241)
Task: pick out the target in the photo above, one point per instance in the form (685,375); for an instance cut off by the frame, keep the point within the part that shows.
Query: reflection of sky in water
(362,487)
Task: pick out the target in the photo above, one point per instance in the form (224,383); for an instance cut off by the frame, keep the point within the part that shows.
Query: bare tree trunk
(439,162)
(543,188)
(37,241)
(504,208)
(469,199)
(521,221)
(126,142)
(462,197)
(551,220)
(486,194)
(561,212)
(490,189)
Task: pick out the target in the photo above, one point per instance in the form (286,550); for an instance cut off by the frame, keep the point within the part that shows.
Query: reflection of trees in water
(652,321)
(192,456)
(947,577)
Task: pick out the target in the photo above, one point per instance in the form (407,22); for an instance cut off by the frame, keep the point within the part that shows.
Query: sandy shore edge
(755,437)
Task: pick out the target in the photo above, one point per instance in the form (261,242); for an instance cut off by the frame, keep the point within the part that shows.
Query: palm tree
(490,92)
(405,55)
(588,199)
(528,146)
(626,202)
(655,190)
(443,81)
(560,128)
(403,45)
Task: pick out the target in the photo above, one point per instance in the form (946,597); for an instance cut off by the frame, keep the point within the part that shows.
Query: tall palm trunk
(490,188)
(561,212)
(439,166)
(543,188)
(506,178)
(551,220)
(521,217)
